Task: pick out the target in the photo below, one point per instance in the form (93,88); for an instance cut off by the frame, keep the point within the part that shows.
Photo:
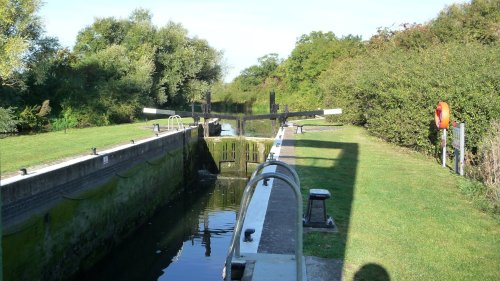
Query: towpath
(278,232)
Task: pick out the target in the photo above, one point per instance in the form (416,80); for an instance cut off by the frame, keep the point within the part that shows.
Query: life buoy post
(442,119)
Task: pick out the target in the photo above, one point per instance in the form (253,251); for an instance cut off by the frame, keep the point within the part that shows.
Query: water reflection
(253,128)
(186,240)
(228,129)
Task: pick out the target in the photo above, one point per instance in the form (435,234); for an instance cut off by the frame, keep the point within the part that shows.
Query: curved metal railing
(293,183)
(177,118)
(245,201)
(277,163)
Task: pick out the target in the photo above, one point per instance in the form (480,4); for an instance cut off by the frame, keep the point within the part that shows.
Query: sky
(246,30)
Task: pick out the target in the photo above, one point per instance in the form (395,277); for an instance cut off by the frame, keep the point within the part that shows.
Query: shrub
(8,121)
(34,118)
(66,120)
(394,92)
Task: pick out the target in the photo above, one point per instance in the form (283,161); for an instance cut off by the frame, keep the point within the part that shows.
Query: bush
(34,118)
(394,92)
(8,121)
(66,121)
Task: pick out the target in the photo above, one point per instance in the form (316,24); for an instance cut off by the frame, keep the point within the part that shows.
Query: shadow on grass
(320,125)
(372,272)
(339,178)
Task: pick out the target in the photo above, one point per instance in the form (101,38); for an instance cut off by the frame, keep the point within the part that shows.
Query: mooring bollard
(317,198)
(156,128)
(93,151)
(271,156)
(23,171)
(248,234)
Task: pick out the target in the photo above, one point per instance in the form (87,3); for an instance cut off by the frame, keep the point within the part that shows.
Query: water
(228,129)
(186,240)
(253,128)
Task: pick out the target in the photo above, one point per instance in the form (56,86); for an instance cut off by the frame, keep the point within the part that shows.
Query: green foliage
(256,75)
(178,69)
(19,28)
(480,196)
(294,79)
(313,54)
(8,120)
(117,67)
(66,121)
(475,21)
(394,93)
(114,88)
(34,118)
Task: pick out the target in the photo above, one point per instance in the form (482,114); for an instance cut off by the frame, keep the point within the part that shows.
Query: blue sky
(246,30)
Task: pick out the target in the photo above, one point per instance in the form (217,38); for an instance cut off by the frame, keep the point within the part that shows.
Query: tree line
(392,82)
(116,67)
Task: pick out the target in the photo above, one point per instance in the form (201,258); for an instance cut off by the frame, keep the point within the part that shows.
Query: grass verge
(395,209)
(28,150)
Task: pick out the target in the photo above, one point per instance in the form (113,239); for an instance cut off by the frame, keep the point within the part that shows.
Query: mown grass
(394,208)
(28,150)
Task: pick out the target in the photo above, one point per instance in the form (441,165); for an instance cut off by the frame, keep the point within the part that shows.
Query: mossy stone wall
(82,227)
(234,155)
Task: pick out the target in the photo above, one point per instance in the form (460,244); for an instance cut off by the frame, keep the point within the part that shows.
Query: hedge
(394,92)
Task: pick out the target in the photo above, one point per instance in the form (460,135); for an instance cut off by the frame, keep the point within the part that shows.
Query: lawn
(28,150)
(396,210)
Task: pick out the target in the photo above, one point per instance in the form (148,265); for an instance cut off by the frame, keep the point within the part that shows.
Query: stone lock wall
(58,222)
(61,220)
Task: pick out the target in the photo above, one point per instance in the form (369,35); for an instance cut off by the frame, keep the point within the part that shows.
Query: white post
(462,148)
(443,143)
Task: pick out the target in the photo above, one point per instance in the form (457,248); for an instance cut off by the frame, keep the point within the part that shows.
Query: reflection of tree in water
(260,128)
(253,128)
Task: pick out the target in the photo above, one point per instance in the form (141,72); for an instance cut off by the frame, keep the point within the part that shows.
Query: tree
(474,21)
(182,67)
(256,75)
(313,53)
(20,28)
(110,88)
(180,63)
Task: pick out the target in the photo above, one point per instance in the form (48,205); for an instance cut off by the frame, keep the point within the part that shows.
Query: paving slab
(319,269)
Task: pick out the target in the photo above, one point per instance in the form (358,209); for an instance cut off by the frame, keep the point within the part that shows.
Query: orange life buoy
(442,115)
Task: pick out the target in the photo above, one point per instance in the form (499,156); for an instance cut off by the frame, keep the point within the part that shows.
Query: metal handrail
(246,200)
(277,163)
(241,217)
(179,123)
